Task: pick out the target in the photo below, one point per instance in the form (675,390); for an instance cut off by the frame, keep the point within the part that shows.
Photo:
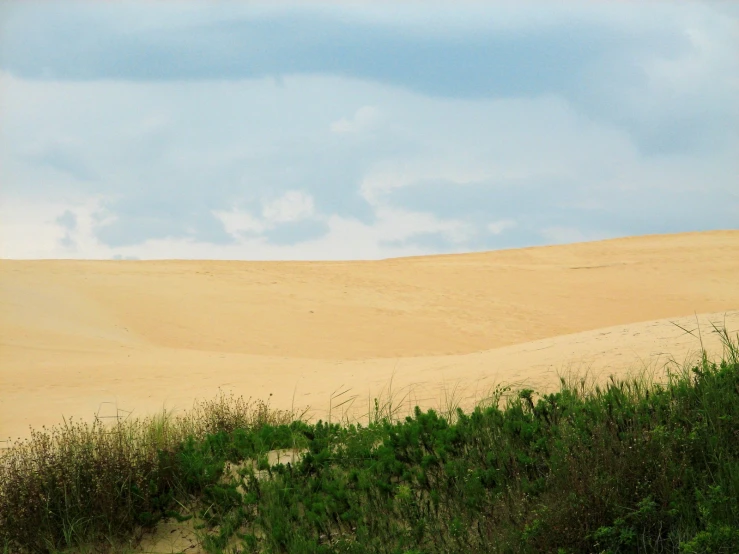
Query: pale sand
(80,337)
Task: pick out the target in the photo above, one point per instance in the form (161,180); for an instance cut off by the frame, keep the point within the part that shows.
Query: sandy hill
(79,337)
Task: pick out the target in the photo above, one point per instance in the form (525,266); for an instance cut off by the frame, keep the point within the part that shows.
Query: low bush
(96,483)
(626,467)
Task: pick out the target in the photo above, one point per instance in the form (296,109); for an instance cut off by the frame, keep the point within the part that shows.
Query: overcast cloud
(361,130)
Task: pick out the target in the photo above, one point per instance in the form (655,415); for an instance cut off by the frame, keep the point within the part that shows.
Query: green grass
(89,486)
(628,466)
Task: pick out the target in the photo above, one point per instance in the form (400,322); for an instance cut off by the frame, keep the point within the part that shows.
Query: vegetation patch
(629,466)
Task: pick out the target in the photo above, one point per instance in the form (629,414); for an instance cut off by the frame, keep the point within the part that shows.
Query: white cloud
(294,205)
(395,225)
(364,119)
(30,228)
(499,141)
(208,143)
(385,177)
(708,73)
(497,227)
(237,222)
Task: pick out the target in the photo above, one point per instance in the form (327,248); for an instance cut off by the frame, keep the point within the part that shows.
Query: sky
(361,130)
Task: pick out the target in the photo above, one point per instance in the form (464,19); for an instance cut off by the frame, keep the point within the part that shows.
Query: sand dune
(80,337)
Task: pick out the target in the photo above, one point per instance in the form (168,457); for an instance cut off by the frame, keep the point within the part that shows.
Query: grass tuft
(80,484)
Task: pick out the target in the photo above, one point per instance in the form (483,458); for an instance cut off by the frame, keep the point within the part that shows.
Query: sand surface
(85,337)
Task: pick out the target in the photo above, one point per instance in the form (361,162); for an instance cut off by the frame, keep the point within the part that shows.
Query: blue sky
(361,130)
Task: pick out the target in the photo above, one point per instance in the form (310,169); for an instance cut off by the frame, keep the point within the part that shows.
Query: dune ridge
(80,337)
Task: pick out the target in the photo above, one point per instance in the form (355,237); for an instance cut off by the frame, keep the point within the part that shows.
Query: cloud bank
(327,131)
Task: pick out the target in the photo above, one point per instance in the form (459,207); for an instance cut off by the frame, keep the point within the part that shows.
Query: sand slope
(78,337)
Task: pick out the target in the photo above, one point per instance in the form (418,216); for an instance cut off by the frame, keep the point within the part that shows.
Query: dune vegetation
(634,465)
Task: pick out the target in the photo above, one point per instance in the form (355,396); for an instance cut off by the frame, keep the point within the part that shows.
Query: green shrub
(626,467)
(81,483)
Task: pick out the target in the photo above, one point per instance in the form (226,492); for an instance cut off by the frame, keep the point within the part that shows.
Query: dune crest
(80,337)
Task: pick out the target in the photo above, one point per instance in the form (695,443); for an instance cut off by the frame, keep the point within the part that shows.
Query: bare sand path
(80,337)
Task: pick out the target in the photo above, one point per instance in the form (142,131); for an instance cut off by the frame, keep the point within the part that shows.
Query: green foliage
(628,467)
(723,539)
(90,484)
